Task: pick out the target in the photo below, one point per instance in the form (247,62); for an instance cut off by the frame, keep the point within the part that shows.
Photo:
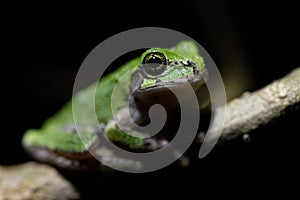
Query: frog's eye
(155,63)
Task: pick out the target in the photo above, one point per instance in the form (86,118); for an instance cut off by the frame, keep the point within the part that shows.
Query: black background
(43,45)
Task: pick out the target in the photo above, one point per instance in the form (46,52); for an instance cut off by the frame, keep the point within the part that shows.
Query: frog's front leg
(125,130)
(145,145)
(132,139)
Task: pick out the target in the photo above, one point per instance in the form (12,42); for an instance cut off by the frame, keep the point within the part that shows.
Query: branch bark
(252,110)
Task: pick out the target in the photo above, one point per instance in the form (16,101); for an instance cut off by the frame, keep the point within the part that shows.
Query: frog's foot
(153,144)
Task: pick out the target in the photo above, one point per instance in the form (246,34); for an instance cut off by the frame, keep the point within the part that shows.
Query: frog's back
(102,97)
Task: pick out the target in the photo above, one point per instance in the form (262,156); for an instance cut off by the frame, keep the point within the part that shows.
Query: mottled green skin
(53,136)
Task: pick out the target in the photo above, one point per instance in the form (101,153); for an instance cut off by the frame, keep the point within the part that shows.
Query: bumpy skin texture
(58,133)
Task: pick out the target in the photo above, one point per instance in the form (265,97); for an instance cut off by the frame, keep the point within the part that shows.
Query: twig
(252,110)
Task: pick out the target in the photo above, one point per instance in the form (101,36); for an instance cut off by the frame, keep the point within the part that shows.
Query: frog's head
(168,68)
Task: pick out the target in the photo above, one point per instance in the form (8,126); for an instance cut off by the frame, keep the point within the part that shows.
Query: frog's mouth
(195,82)
(175,75)
(160,88)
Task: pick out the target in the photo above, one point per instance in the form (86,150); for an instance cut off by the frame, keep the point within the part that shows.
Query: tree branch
(252,110)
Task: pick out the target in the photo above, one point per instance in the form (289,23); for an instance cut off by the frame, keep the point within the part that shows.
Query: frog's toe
(152,144)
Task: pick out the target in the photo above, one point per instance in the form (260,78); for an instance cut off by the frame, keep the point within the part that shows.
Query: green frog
(57,142)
